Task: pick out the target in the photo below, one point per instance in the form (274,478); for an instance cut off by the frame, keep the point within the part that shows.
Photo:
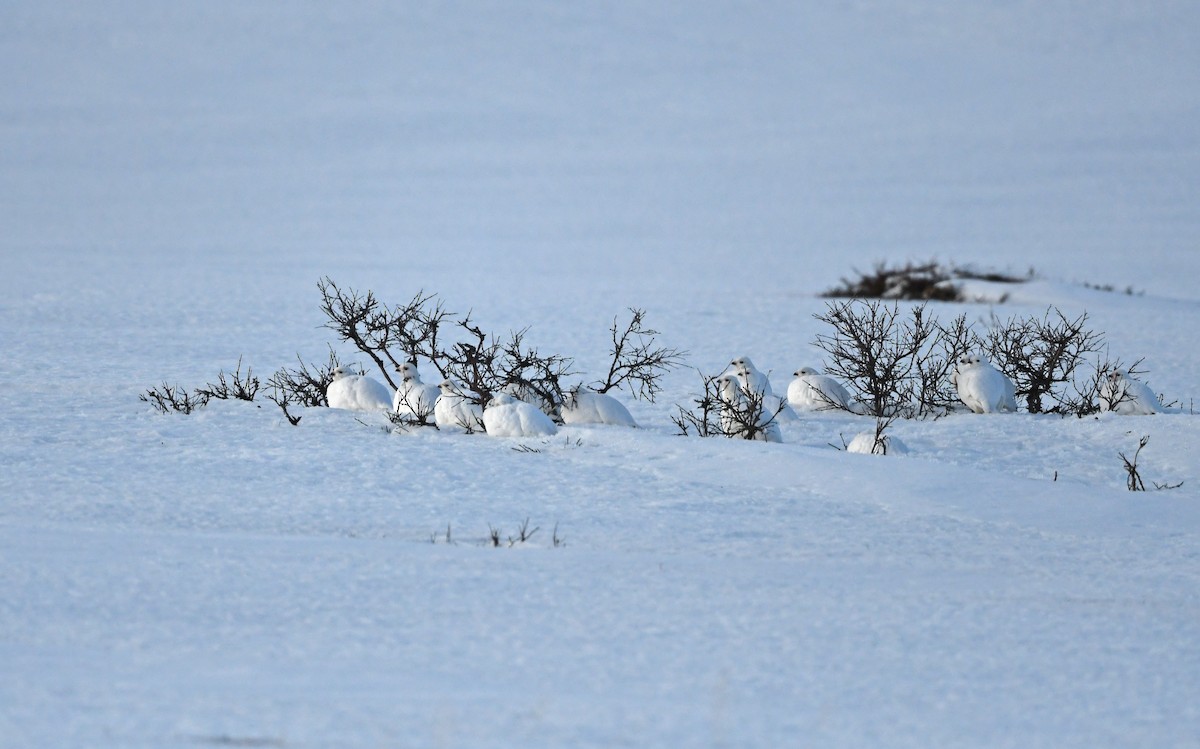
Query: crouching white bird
(813,391)
(738,416)
(357,392)
(414,398)
(506,416)
(870,443)
(1124,395)
(982,387)
(584,406)
(756,383)
(454,410)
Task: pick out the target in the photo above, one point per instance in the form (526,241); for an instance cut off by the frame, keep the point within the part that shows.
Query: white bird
(757,384)
(357,392)
(414,398)
(1124,395)
(865,443)
(583,406)
(737,415)
(751,377)
(982,387)
(453,410)
(528,395)
(506,416)
(813,391)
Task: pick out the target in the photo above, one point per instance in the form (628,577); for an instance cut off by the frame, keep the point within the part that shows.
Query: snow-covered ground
(175,178)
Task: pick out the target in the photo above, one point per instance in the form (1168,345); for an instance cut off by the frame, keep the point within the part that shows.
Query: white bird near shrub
(736,413)
(357,392)
(813,391)
(756,381)
(584,406)
(1124,395)
(865,443)
(982,387)
(506,416)
(453,410)
(414,398)
(529,395)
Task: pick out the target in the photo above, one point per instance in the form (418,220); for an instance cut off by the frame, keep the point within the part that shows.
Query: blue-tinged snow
(175,178)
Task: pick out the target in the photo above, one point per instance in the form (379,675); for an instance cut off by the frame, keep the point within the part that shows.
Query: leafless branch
(637,363)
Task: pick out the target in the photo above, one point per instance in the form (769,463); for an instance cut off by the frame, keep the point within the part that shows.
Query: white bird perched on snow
(736,413)
(583,406)
(982,387)
(865,443)
(1124,395)
(754,381)
(506,416)
(454,411)
(357,392)
(413,397)
(813,391)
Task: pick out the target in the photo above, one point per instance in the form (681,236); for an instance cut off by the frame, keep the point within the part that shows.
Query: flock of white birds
(980,386)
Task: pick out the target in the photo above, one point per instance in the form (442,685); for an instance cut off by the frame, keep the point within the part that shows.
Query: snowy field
(176,177)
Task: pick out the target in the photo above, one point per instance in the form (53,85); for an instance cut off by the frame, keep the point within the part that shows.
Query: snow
(175,178)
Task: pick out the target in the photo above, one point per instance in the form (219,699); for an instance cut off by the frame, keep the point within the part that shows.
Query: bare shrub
(704,416)
(888,360)
(173,398)
(307,384)
(485,366)
(933,387)
(388,335)
(727,409)
(1133,480)
(637,363)
(881,444)
(456,346)
(1041,357)
(236,386)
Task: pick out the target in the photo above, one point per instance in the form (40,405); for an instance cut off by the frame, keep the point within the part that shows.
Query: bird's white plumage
(813,391)
(755,381)
(865,443)
(1124,395)
(506,416)
(982,387)
(357,392)
(736,416)
(454,411)
(413,397)
(528,395)
(583,406)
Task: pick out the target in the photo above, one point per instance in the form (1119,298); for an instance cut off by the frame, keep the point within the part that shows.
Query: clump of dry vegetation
(929,281)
